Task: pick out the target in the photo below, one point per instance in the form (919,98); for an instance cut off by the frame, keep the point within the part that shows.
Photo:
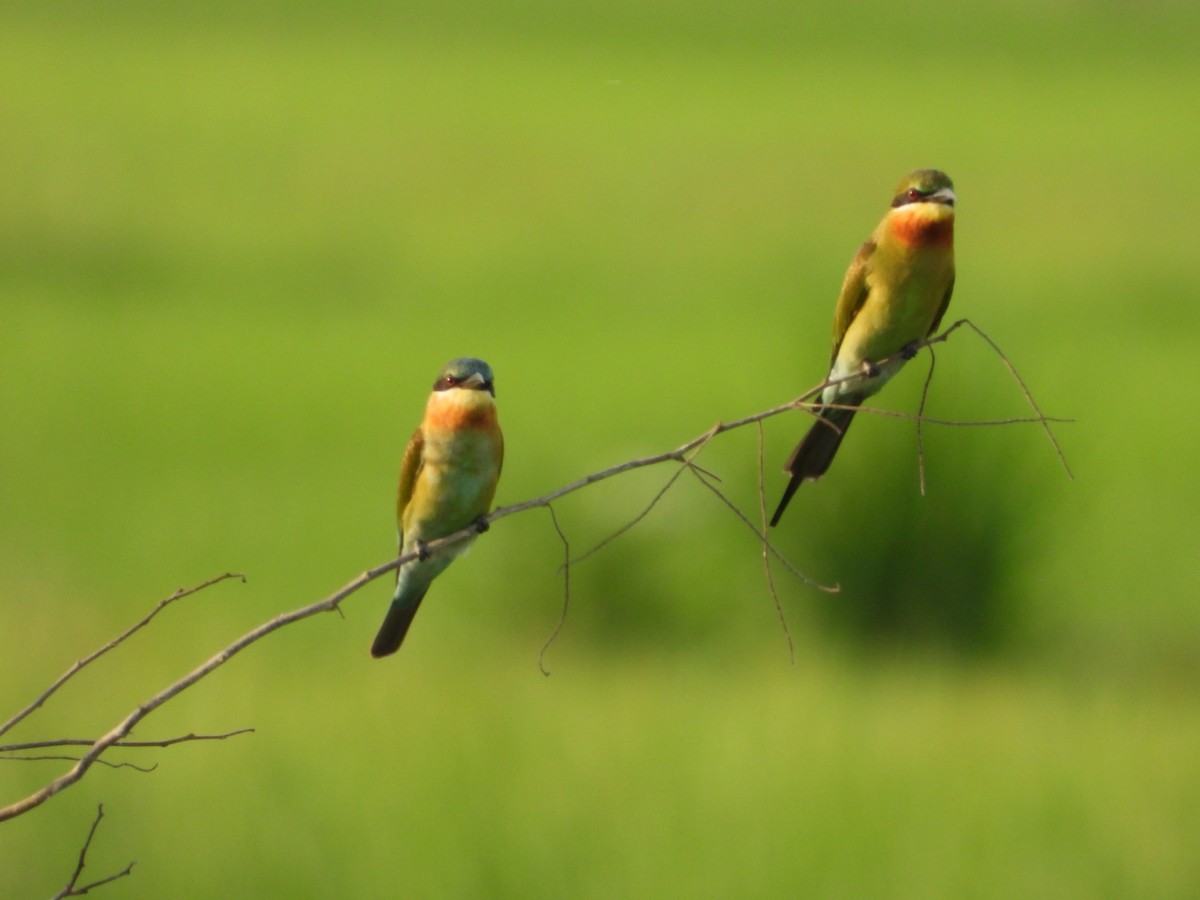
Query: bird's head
(924,186)
(466,373)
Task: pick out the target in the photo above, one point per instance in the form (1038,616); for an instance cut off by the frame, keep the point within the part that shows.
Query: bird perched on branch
(894,295)
(447,481)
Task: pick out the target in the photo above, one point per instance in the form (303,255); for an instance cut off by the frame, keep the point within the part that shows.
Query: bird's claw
(870,369)
(908,351)
(423,551)
(481,523)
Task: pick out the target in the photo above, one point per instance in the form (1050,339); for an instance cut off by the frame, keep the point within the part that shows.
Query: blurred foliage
(238,240)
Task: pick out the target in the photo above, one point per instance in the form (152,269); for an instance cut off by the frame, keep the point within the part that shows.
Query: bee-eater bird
(894,295)
(447,481)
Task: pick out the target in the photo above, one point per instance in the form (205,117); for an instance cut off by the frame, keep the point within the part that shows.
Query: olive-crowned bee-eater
(894,295)
(447,481)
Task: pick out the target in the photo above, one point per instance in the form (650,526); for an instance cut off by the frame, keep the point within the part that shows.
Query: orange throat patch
(923,224)
(449,411)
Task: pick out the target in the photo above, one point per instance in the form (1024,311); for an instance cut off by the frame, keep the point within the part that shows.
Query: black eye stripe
(912,195)
(447,382)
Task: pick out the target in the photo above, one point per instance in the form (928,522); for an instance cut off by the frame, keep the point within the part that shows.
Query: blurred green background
(237,243)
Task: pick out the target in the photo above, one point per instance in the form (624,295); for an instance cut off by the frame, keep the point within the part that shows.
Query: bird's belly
(447,497)
(887,323)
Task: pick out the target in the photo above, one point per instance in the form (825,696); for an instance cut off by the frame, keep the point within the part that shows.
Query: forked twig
(72,887)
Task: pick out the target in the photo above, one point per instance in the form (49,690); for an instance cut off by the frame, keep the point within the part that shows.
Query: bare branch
(126,725)
(72,887)
(683,454)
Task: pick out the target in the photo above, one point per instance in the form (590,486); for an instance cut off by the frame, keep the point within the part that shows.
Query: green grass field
(235,248)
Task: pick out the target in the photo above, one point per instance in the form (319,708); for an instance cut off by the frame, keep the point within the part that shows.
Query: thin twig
(100,762)
(1025,390)
(565,568)
(115,642)
(71,889)
(766,546)
(921,421)
(687,458)
(635,520)
(956,423)
(87,742)
(761,535)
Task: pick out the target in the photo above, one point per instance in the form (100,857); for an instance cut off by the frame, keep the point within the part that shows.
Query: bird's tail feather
(815,452)
(395,623)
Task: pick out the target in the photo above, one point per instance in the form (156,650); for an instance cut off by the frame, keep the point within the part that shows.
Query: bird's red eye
(914,194)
